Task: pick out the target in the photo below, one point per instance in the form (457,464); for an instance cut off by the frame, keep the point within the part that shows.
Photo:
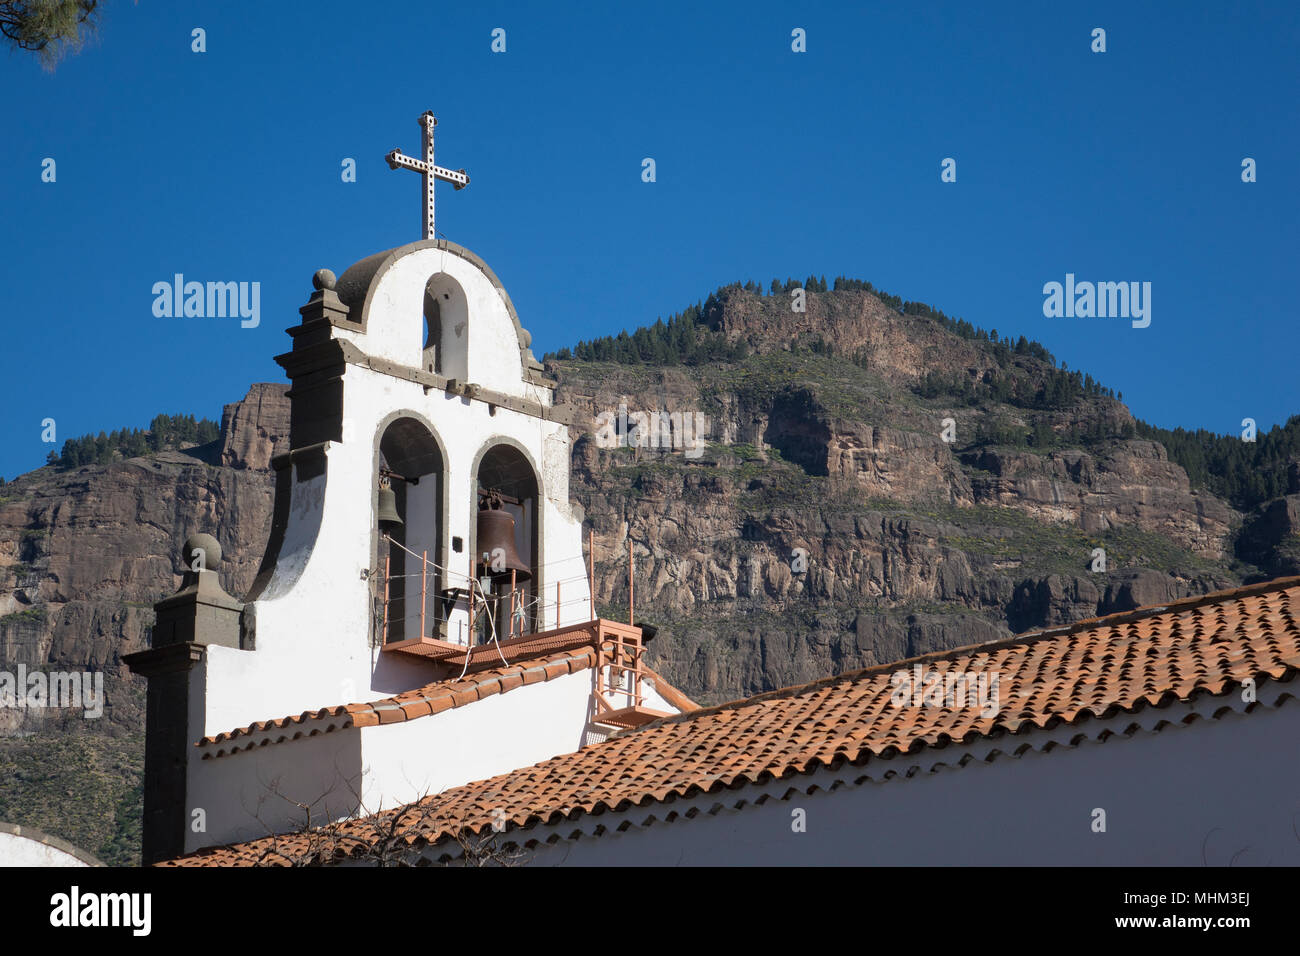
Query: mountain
(824,525)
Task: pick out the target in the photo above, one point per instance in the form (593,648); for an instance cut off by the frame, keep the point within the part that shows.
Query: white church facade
(418,671)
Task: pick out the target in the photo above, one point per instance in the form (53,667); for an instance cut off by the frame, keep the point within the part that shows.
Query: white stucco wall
(410,760)
(20,851)
(247,795)
(650,697)
(1214,792)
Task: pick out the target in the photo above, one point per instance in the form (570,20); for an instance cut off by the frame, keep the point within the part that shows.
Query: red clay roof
(1124,662)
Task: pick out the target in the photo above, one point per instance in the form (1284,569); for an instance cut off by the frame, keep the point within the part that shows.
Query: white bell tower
(389,598)
(370,407)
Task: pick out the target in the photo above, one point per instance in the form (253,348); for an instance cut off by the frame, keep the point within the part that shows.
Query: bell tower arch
(505,481)
(411,466)
(446,322)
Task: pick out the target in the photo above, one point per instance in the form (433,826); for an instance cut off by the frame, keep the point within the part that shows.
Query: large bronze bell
(496,542)
(389,519)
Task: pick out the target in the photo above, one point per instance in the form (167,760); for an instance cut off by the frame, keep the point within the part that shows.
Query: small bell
(496,542)
(389,519)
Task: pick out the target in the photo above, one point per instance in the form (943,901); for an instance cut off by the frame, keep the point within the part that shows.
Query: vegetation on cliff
(165,431)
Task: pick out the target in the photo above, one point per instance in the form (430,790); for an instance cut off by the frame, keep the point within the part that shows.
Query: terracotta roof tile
(1093,668)
(416,708)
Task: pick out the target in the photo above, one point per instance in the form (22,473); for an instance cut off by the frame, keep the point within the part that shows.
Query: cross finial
(428,170)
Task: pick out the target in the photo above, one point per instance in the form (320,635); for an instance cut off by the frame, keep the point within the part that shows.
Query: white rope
(492,624)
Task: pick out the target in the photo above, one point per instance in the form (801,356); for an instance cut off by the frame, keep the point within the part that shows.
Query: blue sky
(225,166)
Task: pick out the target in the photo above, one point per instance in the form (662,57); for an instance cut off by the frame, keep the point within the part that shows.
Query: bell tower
(423,555)
(411,504)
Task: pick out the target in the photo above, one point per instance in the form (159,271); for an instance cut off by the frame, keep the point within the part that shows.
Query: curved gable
(384,294)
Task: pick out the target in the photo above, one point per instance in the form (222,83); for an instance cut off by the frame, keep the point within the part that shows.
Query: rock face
(895,345)
(256,429)
(1271,536)
(1133,484)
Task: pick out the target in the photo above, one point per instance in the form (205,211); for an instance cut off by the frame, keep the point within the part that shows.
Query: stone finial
(324,305)
(211,551)
(201,612)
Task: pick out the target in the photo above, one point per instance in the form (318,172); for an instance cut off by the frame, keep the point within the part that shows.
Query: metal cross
(428,170)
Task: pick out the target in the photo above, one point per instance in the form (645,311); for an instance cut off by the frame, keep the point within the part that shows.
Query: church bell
(389,519)
(496,540)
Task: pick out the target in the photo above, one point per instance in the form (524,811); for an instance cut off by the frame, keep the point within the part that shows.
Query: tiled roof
(1121,663)
(431,699)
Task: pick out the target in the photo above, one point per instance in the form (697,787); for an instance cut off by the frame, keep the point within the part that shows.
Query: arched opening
(505,470)
(411,462)
(446,328)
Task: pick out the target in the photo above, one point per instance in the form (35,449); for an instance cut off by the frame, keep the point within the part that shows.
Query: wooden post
(469,641)
(388,561)
(512,602)
(591,570)
(631,572)
(424,577)
(612,683)
(637,698)
(557,603)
